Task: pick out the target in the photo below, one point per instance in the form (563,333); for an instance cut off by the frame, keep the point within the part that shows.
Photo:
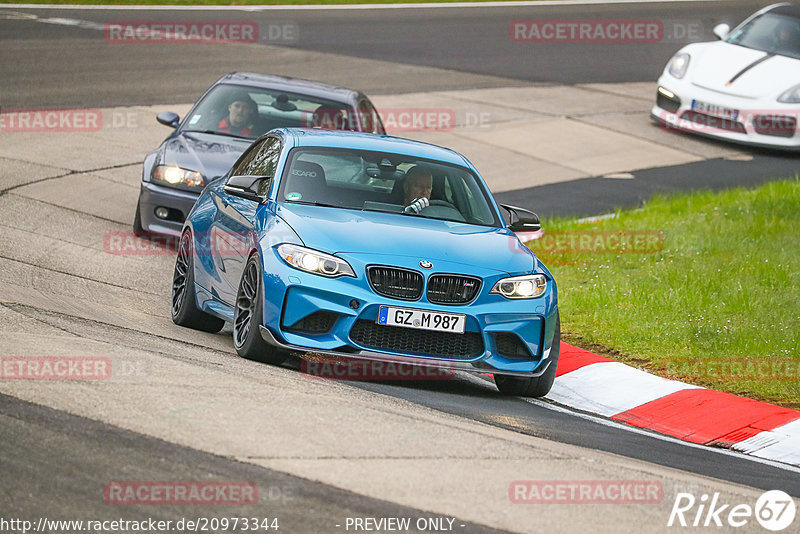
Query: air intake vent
(417,342)
(709,123)
(319,322)
(511,346)
(777,125)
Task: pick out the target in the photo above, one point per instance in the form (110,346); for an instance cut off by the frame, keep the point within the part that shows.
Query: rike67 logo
(774,510)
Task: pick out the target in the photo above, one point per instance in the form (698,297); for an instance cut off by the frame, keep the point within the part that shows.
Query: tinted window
(260,159)
(243,163)
(265,160)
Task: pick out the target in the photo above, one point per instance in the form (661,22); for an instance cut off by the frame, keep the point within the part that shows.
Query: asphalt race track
(186,408)
(467,47)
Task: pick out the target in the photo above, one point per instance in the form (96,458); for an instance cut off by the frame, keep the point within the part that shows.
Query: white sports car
(743,88)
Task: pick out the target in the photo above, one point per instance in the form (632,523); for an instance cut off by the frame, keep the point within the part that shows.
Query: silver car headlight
(791,96)
(679,64)
(528,286)
(313,261)
(173,175)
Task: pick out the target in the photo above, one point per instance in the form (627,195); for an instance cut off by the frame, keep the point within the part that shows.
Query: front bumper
(367,355)
(748,128)
(511,337)
(180,203)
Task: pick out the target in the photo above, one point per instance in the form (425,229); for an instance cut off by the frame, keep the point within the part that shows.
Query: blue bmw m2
(370,247)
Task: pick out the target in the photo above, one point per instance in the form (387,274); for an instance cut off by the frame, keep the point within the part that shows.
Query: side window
(266,160)
(244,162)
(369,117)
(260,160)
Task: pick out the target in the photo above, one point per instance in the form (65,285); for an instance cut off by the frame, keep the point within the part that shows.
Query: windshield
(771,32)
(391,183)
(250,112)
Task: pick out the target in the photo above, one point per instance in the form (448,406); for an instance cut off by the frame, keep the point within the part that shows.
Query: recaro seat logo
(774,510)
(311,174)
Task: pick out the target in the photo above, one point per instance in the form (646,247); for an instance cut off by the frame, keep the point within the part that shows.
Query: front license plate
(714,110)
(424,320)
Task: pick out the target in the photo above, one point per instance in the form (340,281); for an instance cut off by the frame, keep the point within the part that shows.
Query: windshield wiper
(215,132)
(314,203)
(399,211)
(381,209)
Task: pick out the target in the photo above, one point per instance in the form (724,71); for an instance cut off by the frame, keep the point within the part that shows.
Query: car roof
(318,137)
(291,85)
(792,10)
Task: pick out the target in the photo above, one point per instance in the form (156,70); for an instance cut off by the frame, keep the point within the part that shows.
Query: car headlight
(177,176)
(312,261)
(521,287)
(678,65)
(792,96)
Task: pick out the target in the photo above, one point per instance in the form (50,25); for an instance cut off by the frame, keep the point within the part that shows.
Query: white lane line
(344,7)
(621,426)
(73,22)
(597,218)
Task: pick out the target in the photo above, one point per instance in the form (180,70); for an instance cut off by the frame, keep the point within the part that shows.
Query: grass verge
(700,287)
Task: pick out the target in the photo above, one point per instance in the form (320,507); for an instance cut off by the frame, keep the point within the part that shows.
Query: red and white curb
(599,385)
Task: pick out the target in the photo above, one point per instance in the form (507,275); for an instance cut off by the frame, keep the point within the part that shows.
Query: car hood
(343,231)
(209,154)
(716,64)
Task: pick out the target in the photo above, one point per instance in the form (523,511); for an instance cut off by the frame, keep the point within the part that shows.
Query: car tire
(247,314)
(184,309)
(137,223)
(538,386)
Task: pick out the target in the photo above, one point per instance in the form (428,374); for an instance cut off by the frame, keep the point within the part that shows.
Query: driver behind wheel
(241,112)
(417,189)
(785,37)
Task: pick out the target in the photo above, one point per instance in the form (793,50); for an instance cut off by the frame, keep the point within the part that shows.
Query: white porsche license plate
(714,110)
(422,319)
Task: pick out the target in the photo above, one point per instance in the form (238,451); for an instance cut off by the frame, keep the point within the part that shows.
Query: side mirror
(168,118)
(522,220)
(722,31)
(253,188)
